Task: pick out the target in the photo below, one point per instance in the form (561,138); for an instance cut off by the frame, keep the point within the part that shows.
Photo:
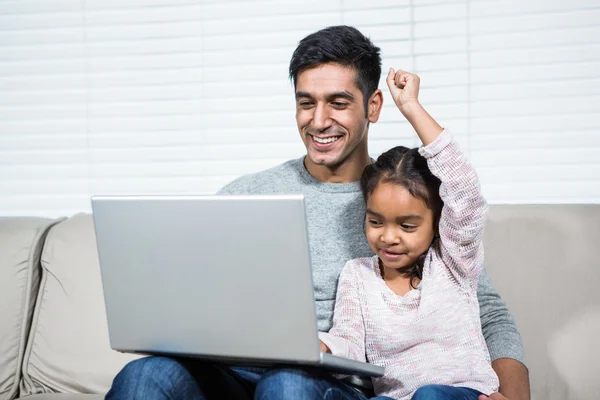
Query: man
(336,73)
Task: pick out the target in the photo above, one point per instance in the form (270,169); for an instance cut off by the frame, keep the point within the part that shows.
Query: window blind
(182,96)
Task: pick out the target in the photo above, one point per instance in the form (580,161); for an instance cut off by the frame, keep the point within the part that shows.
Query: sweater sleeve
(498,325)
(346,338)
(464,212)
(461,232)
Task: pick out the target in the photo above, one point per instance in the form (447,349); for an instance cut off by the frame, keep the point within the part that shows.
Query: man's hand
(514,379)
(404,88)
(324,348)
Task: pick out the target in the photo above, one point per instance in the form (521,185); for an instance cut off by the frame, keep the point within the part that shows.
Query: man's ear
(374,106)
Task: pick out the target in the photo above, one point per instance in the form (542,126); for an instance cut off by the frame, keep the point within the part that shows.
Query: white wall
(155,96)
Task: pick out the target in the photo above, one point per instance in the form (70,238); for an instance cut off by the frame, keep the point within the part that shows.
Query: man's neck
(348,171)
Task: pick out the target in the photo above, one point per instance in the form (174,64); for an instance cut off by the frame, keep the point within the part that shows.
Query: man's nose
(321,120)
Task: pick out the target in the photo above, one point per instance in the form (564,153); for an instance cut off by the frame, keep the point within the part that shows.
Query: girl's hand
(493,396)
(404,88)
(324,348)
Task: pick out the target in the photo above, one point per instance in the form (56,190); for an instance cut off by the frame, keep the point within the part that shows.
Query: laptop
(220,278)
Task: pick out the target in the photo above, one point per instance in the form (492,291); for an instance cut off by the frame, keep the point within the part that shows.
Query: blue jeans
(154,378)
(300,384)
(441,392)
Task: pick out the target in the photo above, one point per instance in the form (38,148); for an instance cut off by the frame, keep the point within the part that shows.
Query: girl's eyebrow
(369,211)
(400,217)
(405,217)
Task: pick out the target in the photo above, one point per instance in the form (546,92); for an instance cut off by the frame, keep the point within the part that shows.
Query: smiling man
(336,73)
(330,113)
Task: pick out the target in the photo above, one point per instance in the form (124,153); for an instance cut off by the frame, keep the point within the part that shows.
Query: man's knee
(288,384)
(287,377)
(148,368)
(144,376)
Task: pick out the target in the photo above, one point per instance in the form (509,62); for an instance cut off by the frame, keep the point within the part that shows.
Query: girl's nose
(389,236)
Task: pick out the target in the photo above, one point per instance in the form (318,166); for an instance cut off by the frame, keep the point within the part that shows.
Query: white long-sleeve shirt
(432,334)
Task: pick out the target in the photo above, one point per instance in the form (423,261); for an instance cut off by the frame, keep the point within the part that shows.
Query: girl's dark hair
(407,168)
(344,45)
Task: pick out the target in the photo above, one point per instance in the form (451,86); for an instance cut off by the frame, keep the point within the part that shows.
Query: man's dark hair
(344,45)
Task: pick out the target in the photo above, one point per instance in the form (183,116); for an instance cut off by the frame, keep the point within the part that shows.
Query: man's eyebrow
(341,95)
(303,94)
(335,95)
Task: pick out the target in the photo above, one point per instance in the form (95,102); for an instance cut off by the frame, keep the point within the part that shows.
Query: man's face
(331,116)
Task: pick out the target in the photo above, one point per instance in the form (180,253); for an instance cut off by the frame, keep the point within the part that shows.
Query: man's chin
(324,162)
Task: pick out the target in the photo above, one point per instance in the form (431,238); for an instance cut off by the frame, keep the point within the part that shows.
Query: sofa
(54,342)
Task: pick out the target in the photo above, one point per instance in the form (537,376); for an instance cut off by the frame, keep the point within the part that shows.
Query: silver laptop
(221,278)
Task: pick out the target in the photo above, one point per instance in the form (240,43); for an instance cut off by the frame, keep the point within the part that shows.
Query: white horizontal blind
(182,96)
(535,99)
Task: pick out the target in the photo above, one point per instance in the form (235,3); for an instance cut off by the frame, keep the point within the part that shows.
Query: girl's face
(399,226)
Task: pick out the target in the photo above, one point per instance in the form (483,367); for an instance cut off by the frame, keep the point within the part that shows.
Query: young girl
(412,307)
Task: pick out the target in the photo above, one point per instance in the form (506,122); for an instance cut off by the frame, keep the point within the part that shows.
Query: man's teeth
(326,140)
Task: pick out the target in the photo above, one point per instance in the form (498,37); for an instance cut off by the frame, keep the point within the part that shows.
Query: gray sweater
(335,217)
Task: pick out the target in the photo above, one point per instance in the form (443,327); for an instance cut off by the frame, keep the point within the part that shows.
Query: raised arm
(463,215)
(464,212)
(346,338)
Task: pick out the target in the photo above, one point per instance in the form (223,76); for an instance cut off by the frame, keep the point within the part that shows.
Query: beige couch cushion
(68,350)
(21,241)
(545,261)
